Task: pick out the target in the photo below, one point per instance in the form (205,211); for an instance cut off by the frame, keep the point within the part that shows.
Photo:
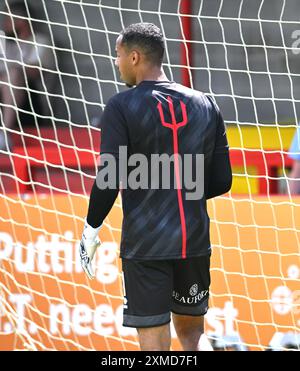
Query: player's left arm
(113,135)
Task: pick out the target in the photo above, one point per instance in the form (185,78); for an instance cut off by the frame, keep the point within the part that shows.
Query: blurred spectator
(290,340)
(294,154)
(285,341)
(25,53)
(231,343)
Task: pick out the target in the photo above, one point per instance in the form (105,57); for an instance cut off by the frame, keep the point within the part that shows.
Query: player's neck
(153,74)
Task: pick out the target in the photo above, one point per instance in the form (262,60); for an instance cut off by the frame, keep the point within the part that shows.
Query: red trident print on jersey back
(174,126)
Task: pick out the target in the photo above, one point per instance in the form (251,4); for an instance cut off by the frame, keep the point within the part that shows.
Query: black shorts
(154,289)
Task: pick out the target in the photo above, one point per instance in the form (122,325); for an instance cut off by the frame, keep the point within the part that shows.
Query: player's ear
(135,57)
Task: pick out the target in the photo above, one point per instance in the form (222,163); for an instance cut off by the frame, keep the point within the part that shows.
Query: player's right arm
(102,198)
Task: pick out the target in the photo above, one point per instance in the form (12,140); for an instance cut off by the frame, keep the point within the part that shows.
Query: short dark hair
(148,38)
(18,9)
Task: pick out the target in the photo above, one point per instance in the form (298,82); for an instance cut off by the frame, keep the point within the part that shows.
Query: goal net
(57,73)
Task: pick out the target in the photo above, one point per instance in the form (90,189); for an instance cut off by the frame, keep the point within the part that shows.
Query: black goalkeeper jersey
(156,118)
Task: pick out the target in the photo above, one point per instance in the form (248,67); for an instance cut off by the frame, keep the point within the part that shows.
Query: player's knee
(190,331)
(187,325)
(155,338)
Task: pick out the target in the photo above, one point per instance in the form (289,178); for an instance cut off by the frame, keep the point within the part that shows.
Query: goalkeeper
(165,245)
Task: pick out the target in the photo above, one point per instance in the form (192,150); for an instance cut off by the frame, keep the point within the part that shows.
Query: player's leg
(12,95)
(190,301)
(147,301)
(12,98)
(190,332)
(155,338)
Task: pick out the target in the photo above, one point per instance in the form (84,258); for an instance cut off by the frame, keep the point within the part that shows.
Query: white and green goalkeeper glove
(88,245)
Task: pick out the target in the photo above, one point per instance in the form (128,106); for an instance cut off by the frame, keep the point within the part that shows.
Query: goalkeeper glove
(88,245)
